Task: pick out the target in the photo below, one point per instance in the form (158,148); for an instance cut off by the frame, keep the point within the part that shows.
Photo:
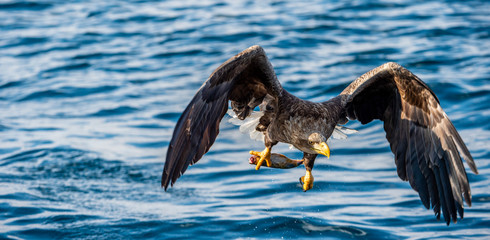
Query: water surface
(90,92)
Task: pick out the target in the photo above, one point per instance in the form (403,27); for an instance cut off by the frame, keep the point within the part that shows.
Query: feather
(428,149)
(249,124)
(246,77)
(340,132)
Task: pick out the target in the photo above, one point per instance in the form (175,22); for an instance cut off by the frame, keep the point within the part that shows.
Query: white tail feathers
(248,125)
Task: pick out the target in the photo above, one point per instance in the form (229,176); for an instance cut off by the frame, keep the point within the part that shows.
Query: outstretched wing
(427,147)
(245,80)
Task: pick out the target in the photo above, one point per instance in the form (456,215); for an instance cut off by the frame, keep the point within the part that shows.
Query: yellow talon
(264,155)
(307,181)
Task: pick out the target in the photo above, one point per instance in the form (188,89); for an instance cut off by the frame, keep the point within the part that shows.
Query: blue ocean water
(90,92)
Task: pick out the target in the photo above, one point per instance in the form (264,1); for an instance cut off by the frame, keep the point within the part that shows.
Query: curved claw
(263,156)
(307,181)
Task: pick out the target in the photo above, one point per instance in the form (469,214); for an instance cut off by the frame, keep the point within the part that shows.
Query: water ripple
(24,5)
(67,92)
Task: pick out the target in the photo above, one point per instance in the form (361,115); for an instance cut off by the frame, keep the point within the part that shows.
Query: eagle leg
(263,156)
(307,181)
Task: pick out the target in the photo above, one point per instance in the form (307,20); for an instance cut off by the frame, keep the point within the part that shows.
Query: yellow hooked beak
(322,148)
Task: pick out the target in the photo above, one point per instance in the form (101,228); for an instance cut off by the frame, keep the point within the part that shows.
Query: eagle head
(318,144)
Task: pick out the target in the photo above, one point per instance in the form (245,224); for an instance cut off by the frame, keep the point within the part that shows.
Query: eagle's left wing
(427,147)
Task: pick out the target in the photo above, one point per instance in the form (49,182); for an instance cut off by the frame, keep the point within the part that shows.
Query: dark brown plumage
(427,147)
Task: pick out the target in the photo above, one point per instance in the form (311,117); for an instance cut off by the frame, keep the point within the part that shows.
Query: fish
(278,161)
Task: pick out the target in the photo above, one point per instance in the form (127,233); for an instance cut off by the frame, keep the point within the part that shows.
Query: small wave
(147,126)
(43,94)
(235,37)
(4,127)
(69,67)
(360,6)
(145,18)
(99,55)
(32,53)
(168,115)
(24,5)
(25,41)
(143,81)
(179,53)
(22,196)
(381,51)
(11,84)
(67,92)
(352,231)
(40,129)
(70,163)
(157,144)
(114,111)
